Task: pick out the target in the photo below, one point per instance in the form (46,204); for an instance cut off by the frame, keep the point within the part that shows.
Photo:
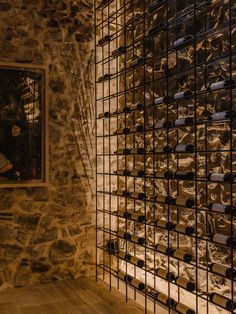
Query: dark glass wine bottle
(220,85)
(126,277)
(185,283)
(122,151)
(183,175)
(222,209)
(136,239)
(184,309)
(137,284)
(156,5)
(181,255)
(119,51)
(188,230)
(125,256)
(137,261)
(163,100)
(183,42)
(221,115)
(164,299)
(105,40)
(123,214)
(157,29)
(138,106)
(137,128)
(162,124)
(224,240)
(168,225)
(138,217)
(137,173)
(137,151)
(104,114)
(220,177)
(223,270)
(183,95)
(163,273)
(104,78)
(138,195)
(124,235)
(182,201)
(137,62)
(226,303)
(183,121)
(184,148)
(122,193)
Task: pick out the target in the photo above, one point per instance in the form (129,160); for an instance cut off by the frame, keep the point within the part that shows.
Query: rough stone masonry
(48,233)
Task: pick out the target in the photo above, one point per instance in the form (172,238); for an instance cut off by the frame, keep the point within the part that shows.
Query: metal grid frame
(121,104)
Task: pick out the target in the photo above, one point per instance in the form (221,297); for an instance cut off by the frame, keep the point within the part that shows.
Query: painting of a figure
(23,134)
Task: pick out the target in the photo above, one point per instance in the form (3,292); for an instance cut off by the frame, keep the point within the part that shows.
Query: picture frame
(23,125)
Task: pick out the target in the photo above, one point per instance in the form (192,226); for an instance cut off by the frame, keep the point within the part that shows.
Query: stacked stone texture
(48,233)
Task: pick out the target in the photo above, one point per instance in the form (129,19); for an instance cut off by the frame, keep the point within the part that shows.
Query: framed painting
(23,125)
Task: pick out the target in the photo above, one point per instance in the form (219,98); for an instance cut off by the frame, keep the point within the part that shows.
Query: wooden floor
(79,296)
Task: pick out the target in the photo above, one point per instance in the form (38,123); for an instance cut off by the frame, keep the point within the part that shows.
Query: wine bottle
(162,124)
(183,201)
(122,172)
(123,214)
(138,284)
(183,256)
(161,248)
(226,303)
(224,240)
(126,277)
(137,128)
(137,151)
(137,62)
(104,115)
(162,100)
(163,273)
(165,224)
(183,309)
(137,173)
(124,235)
(112,246)
(220,177)
(188,230)
(125,256)
(122,193)
(125,109)
(164,199)
(222,208)
(183,175)
(183,282)
(184,148)
(182,95)
(139,240)
(221,115)
(183,121)
(138,106)
(138,195)
(104,78)
(119,51)
(166,149)
(157,29)
(138,217)
(156,5)
(223,270)
(220,85)
(122,151)
(105,40)
(183,42)
(164,299)
(137,261)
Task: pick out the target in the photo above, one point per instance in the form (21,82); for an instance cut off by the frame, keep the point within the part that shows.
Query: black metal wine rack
(165,152)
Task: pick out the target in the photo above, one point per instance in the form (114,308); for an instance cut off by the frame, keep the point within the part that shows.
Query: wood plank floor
(78,296)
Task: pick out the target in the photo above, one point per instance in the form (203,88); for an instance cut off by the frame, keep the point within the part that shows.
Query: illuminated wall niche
(165,108)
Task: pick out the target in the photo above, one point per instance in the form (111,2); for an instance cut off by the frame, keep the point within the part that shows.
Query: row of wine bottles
(165,124)
(221,239)
(188,202)
(178,175)
(216,268)
(215,298)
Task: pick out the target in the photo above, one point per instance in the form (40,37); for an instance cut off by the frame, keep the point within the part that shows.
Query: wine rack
(165,95)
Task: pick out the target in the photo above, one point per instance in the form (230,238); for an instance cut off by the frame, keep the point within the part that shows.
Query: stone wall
(48,233)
